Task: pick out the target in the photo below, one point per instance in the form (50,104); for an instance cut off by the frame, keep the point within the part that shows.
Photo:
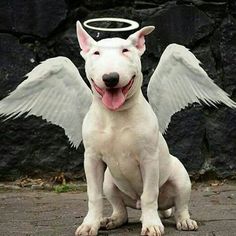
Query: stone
(36,17)
(32,146)
(221,136)
(226,39)
(107,4)
(185,137)
(215,9)
(67,45)
(16,60)
(180,24)
(37,187)
(232,8)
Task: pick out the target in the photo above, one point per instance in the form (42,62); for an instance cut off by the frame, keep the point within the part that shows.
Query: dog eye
(96,53)
(125,50)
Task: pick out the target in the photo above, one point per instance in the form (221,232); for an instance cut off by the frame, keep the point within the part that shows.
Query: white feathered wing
(179,81)
(56,91)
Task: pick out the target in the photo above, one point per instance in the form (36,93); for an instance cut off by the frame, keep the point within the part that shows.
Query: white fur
(140,171)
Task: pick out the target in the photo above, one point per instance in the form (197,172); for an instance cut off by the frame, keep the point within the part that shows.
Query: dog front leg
(94,170)
(151,222)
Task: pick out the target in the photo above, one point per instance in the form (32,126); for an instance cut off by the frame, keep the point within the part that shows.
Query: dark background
(203,138)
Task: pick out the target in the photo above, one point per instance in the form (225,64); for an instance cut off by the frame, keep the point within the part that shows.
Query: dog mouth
(114,98)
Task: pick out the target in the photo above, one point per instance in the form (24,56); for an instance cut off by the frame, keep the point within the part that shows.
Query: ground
(26,212)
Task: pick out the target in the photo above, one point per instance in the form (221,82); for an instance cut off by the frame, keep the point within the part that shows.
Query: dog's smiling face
(113,65)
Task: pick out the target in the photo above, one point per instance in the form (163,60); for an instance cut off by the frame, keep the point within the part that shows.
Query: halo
(132,24)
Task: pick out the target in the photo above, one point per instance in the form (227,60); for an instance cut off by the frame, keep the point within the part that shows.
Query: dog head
(113,65)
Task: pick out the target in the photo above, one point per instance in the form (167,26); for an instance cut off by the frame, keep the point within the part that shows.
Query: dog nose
(111,79)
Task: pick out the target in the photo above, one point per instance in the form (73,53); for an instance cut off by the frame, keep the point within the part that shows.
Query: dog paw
(86,230)
(153,230)
(113,222)
(187,224)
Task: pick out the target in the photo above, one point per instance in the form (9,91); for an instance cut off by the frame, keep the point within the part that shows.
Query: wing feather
(178,81)
(55,91)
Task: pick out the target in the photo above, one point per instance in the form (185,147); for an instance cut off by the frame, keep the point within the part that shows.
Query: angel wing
(179,81)
(55,91)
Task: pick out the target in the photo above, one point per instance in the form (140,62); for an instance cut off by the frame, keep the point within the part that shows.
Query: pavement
(25,212)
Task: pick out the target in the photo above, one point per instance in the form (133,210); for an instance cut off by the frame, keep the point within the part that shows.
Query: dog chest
(125,170)
(112,141)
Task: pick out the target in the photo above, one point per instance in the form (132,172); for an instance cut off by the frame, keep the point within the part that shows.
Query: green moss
(70,187)
(65,188)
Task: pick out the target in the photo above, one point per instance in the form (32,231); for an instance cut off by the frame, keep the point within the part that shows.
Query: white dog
(120,129)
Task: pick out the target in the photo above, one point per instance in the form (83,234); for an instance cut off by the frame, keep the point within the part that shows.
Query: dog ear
(138,38)
(85,40)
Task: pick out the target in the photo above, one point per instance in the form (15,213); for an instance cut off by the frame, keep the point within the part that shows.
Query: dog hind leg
(166,213)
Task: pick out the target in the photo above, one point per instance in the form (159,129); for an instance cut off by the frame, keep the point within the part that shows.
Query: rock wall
(203,138)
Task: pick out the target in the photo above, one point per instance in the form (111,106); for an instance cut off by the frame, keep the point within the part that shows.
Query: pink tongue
(113,99)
